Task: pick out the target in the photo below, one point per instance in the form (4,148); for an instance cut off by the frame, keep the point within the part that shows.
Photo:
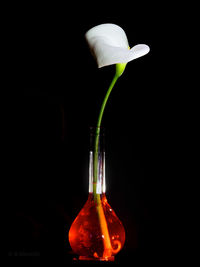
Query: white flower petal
(107,55)
(109,45)
(111,34)
(138,51)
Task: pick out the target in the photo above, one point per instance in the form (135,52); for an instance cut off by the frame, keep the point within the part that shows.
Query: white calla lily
(109,45)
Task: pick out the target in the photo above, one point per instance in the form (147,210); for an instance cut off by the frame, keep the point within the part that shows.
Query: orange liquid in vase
(86,237)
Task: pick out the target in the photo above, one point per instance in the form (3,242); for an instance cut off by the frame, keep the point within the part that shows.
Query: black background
(53,94)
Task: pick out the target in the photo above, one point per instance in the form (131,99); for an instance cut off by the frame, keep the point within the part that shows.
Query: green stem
(120,67)
(119,70)
(98,132)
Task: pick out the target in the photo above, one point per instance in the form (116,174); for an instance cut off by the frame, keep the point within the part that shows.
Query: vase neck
(101,179)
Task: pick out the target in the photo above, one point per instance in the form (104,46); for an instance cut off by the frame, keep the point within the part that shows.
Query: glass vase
(97,233)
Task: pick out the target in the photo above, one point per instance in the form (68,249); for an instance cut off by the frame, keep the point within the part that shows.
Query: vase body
(97,233)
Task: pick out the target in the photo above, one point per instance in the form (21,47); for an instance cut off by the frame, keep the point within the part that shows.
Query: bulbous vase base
(86,237)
